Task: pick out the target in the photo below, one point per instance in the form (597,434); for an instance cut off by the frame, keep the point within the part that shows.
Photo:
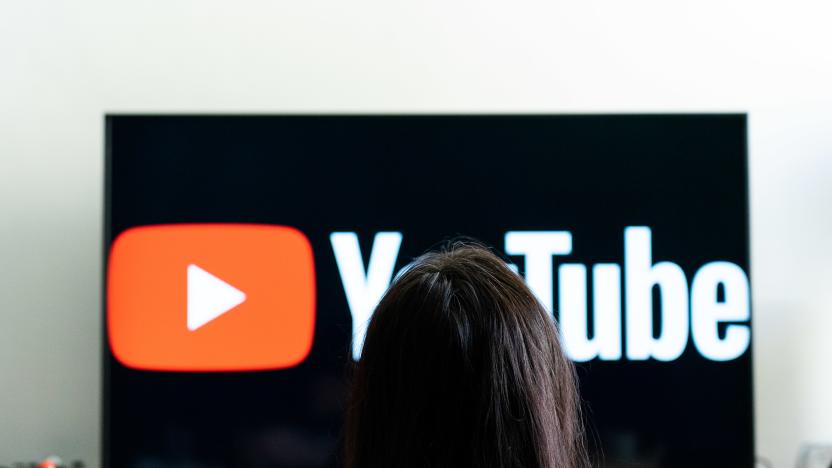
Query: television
(244,255)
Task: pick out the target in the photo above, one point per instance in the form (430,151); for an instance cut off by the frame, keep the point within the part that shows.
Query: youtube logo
(211,297)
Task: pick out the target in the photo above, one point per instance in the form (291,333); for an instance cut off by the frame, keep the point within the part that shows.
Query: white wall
(64,63)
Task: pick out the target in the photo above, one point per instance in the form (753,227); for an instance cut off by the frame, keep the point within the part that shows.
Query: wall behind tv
(64,64)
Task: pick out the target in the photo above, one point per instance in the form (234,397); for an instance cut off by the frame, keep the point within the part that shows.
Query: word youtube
(241,297)
(702,311)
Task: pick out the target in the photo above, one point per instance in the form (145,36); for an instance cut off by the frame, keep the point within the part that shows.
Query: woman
(462,367)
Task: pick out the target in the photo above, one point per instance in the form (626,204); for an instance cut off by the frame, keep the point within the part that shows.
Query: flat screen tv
(245,254)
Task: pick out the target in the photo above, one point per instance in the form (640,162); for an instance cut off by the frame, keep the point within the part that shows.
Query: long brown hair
(462,367)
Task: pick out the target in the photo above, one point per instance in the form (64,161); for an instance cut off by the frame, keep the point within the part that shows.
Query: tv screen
(245,255)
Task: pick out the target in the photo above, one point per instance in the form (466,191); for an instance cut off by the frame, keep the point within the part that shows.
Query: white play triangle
(209,297)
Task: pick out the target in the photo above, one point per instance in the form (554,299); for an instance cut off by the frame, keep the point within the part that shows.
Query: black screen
(672,188)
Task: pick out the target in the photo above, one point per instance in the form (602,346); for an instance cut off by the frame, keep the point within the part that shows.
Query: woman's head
(462,366)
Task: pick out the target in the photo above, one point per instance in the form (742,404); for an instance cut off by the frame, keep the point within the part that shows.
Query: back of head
(462,367)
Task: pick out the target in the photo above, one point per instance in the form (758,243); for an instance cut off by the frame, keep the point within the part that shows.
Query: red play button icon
(211,297)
